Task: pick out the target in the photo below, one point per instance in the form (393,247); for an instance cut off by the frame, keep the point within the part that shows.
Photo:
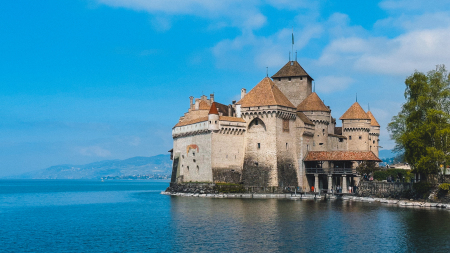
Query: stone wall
(296,89)
(383,189)
(194,153)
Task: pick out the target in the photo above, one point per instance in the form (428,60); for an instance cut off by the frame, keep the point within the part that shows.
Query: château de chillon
(280,134)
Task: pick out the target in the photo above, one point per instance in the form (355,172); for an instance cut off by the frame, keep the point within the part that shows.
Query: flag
(292,38)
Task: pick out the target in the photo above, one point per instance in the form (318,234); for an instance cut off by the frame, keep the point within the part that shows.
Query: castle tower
(314,108)
(270,138)
(294,82)
(374,134)
(213,118)
(356,126)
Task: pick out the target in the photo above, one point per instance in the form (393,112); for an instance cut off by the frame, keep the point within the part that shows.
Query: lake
(132,216)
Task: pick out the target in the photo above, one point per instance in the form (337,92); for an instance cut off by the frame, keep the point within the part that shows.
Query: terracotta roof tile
(355,112)
(312,103)
(233,119)
(213,109)
(265,93)
(373,121)
(203,105)
(193,121)
(291,69)
(304,118)
(341,156)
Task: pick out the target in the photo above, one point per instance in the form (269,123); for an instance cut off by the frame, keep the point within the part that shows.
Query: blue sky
(90,80)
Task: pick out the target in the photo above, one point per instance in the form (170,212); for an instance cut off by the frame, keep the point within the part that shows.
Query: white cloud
(94,151)
(329,84)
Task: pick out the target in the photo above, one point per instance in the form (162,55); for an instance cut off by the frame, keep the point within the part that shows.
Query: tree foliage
(422,128)
(366,167)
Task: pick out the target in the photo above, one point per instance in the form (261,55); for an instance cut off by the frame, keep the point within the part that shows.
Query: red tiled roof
(304,118)
(265,93)
(341,156)
(203,105)
(189,122)
(233,119)
(213,109)
(373,121)
(291,69)
(312,103)
(355,112)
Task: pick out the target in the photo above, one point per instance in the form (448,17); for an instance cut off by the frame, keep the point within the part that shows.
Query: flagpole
(292,40)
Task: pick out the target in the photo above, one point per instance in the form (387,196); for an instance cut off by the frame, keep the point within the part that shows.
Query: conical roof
(373,121)
(213,109)
(312,103)
(355,112)
(291,69)
(265,93)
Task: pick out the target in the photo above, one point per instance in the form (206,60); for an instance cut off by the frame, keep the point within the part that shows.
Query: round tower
(213,118)
(374,134)
(356,126)
(314,108)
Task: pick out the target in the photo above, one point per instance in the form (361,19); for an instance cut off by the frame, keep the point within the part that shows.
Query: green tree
(422,128)
(367,167)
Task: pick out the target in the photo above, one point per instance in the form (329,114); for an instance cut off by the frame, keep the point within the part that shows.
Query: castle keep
(280,134)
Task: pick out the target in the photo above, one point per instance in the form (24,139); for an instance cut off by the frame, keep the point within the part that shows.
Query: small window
(289,79)
(259,145)
(193,153)
(320,144)
(373,142)
(215,122)
(210,122)
(286,125)
(360,137)
(341,139)
(279,79)
(287,146)
(193,160)
(182,156)
(256,122)
(349,137)
(198,168)
(301,78)
(187,167)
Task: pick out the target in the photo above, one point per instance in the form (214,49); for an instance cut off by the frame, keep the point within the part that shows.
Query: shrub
(422,189)
(383,174)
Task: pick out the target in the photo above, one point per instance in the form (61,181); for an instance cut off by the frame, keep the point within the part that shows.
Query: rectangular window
(259,145)
(360,137)
(286,125)
(349,137)
(287,146)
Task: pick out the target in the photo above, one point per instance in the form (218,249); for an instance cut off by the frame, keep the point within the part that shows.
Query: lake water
(132,216)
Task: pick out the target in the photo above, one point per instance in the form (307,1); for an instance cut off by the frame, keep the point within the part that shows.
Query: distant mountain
(159,165)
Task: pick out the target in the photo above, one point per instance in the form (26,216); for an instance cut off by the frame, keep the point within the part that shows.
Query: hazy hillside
(155,165)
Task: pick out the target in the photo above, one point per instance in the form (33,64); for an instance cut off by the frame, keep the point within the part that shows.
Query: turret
(314,108)
(213,118)
(374,134)
(356,126)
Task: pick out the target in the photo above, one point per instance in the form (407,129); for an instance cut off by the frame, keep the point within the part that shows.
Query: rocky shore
(313,196)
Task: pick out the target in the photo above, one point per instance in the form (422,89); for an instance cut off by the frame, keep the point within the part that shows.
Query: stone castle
(280,134)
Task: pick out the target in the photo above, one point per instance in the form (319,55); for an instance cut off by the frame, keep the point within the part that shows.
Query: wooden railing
(330,171)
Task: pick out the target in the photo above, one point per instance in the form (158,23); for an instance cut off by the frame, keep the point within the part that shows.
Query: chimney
(211,98)
(191,99)
(243,92)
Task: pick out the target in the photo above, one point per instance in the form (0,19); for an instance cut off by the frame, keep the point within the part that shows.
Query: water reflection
(203,224)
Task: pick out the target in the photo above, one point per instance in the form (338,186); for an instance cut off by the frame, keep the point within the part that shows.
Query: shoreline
(314,196)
